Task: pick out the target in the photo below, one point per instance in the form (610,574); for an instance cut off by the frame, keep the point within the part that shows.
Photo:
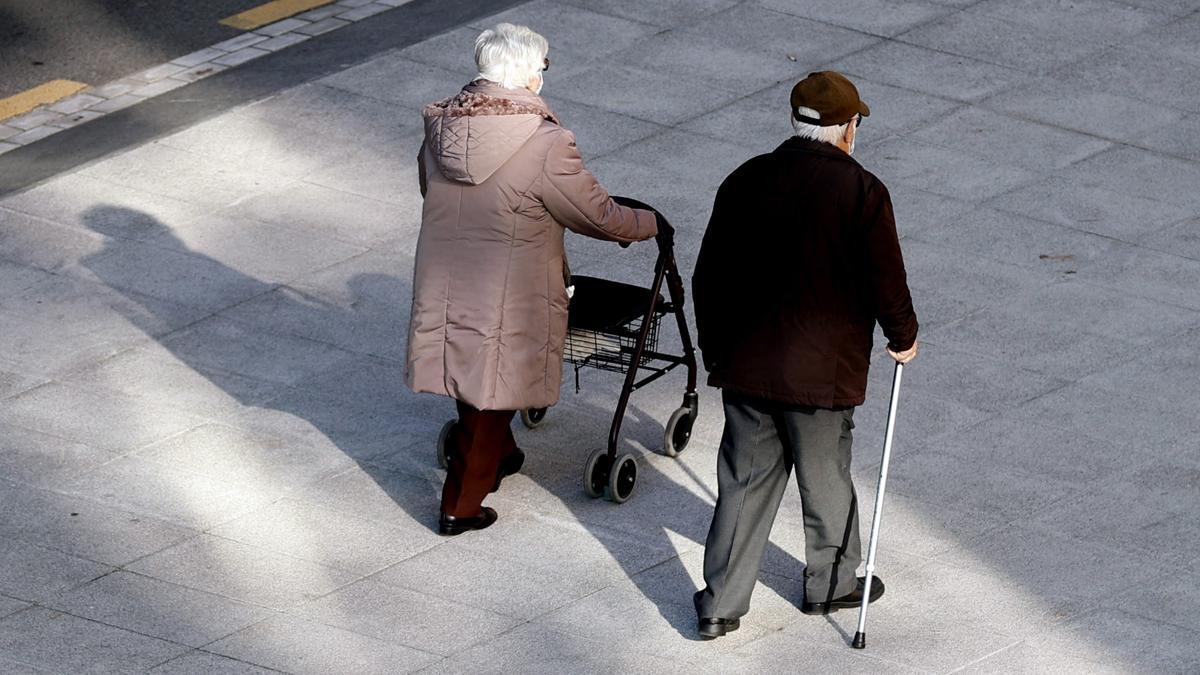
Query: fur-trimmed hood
(473,133)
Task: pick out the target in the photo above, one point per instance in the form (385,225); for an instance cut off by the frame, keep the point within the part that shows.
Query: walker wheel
(533,417)
(622,478)
(595,473)
(443,444)
(677,432)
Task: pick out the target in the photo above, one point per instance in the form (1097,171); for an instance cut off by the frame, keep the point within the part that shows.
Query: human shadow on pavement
(361,405)
(354,398)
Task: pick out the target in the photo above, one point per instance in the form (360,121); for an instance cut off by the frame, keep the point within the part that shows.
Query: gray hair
(510,55)
(830,134)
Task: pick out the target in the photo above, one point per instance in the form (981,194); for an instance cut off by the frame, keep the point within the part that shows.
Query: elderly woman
(502,181)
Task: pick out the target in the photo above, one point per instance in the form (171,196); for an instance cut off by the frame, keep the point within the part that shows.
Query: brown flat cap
(830,94)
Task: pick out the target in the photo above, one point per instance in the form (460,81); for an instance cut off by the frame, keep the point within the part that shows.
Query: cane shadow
(660,505)
(357,402)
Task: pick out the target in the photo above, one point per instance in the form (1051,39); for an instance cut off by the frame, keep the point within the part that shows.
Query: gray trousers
(762,442)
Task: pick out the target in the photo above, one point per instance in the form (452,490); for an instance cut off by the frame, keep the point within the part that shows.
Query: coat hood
(472,134)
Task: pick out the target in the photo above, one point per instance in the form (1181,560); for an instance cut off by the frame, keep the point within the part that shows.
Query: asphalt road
(95,41)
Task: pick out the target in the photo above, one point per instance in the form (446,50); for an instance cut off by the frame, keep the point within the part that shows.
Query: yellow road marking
(49,92)
(271,12)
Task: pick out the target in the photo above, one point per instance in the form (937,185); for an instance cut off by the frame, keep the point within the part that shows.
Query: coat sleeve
(888,282)
(421,169)
(577,201)
(709,288)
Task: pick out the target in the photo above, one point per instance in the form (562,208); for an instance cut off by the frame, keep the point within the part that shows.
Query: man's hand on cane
(905,356)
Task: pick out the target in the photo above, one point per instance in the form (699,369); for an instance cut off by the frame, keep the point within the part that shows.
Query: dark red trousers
(480,441)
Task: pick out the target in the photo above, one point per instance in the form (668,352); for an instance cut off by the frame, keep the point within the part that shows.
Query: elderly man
(799,261)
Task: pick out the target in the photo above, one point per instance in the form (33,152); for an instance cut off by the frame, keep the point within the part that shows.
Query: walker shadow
(367,411)
(356,403)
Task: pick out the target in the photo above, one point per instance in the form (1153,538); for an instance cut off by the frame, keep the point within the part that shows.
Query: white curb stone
(131,90)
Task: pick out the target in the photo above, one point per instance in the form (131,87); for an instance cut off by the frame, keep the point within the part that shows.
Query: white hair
(831,134)
(510,55)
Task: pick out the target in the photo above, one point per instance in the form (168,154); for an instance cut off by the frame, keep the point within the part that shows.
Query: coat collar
(796,144)
(521,97)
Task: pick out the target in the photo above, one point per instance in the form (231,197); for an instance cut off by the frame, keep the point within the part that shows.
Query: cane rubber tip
(860,640)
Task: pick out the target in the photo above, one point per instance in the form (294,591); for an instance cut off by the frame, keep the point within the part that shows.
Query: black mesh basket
(604,322)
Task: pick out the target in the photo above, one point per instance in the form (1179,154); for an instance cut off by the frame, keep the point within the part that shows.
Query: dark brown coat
(800,260)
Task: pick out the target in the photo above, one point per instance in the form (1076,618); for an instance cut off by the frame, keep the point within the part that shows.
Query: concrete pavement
(209,461)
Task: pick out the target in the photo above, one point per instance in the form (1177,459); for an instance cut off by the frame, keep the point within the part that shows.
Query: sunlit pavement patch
(57,113)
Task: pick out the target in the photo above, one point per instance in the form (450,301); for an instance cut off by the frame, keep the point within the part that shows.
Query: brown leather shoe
(449,526)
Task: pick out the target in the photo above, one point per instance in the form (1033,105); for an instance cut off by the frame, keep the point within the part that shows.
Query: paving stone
(280,27)
(326,536)
(664,13)
(117,103)
(197,57)
(1022,241)
(75,103)
(323,26)
(11,606)
(534,648)
(263,252)
(1066,103)
(241,572)
(156,608)
(314,209)
(163,170)
(643,94)
(1035,47)
(978,132)
(1169,83)
(38,243)
(626,617)
(159,88)
(152,373)
(274,454)
(107,421)
(598,132)
(32,120)
(902,162)
(37,635)
(928,71)
(35,573)
(75,119)
(188,499)
(1159,513)
(1072,203)
(199,72)
(386,612)
(783,650)
(282,42)
(732,68)
(8,132)
(1155,275)
(363,12)
(198,661)
(240,42)
(875,17)
(82,528)
(1117,642)
(42,460)
(1170,370)
(241,56)
(299,646)
(1140,173)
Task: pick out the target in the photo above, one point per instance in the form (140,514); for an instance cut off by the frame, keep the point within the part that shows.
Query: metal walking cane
(860,636)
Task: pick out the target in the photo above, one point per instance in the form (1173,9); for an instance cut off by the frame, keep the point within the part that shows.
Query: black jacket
(799,261)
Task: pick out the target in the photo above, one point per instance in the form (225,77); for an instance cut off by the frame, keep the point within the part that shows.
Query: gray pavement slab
(82,528)
(157,608)
(389,613)
(36,637)
(199,661)
(932,72)
(299,646)
(35,574)
(325,536)
(42,460)
(241,572)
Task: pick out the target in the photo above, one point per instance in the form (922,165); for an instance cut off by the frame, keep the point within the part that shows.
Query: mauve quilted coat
(501,181)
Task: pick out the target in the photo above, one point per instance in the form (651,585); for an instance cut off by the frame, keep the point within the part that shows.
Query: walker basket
(604,322)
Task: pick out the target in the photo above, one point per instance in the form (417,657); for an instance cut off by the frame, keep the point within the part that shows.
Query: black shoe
(509,466)
(449,526)
(715,628)
(849,600)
